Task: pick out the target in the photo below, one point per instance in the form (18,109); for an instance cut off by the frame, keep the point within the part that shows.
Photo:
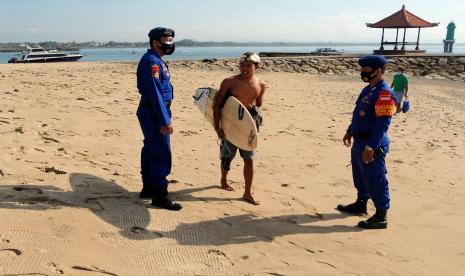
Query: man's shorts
(400,96)
(228,152)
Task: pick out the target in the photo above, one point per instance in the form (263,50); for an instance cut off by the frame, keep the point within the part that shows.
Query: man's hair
(154,39)
(383,69)
(249,56)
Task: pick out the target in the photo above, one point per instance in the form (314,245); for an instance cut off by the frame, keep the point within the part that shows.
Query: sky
(220,20)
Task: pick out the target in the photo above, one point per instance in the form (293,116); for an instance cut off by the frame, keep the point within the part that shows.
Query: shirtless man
(249,90)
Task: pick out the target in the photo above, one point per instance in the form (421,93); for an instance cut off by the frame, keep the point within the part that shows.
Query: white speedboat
(39,54)
(328,51)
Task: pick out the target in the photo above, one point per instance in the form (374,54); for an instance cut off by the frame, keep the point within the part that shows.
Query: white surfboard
(238,125)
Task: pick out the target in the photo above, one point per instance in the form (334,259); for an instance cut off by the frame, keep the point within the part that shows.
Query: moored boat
(39,54)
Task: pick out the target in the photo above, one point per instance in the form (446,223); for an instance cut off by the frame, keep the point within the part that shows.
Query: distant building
(402,19)
(450,39)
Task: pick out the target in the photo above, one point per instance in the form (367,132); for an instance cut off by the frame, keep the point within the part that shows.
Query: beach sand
(69,180)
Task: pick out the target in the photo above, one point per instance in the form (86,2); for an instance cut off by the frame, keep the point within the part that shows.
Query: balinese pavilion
(402,19)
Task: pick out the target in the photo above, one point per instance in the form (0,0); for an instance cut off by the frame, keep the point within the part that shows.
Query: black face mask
(367,76)
(167,49)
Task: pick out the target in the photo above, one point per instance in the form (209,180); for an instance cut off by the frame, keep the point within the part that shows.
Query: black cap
(160,32)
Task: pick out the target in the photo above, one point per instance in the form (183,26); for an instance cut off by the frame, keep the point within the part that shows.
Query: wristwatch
(368,148)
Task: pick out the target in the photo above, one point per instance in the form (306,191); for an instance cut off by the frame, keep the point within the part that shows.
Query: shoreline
(451,67)
(432,66)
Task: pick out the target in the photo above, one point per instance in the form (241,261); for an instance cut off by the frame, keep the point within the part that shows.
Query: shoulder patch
(156,71)
(385,104)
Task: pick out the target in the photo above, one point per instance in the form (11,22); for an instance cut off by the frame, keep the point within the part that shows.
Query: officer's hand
(367,155)
(347,139)
(167,130)
(220,133)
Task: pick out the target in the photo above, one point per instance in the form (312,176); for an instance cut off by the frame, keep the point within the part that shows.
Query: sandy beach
(69,180)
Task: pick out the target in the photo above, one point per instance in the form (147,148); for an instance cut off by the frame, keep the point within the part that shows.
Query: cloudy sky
(220,20)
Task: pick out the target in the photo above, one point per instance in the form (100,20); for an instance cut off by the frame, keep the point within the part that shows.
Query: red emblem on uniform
(156,71)
(385,104)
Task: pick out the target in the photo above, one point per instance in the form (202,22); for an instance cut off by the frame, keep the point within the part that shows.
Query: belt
(149,104)
(361,135)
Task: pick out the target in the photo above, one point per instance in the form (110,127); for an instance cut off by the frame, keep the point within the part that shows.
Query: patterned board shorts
(228,152)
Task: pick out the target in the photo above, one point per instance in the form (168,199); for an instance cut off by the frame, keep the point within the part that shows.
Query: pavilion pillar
(397,36)
(382,42)
(403,41)
(418,40)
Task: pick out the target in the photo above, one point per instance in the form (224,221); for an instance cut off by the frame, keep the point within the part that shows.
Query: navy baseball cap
(373,61)
(160,32)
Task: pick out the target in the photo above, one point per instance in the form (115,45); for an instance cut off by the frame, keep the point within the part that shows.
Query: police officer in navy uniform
(374,108)
(154,114)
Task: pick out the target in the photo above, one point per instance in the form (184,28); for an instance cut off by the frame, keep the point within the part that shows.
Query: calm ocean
(134,54)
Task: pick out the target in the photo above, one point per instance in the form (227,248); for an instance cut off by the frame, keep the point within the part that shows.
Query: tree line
(72,46)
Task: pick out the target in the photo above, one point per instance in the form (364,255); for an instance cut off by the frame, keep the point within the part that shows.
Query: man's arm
(385,108)
(153,86)
(224,88)
(259,100)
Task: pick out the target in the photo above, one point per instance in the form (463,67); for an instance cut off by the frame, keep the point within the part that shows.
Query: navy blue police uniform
(371,117)
(153,82)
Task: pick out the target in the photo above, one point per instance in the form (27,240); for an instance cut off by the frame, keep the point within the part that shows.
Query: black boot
(358,207)
(146,193)
(162,199)
(377,221)
(147,189)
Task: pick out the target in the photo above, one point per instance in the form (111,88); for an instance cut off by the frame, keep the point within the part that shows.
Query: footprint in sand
(93,269)
(54,267)
(52,169)
(143,232)
(221,254)
(188,132)
(48,139)
(29,190)
(111,132)
(19,130)
(9,253)
(3,120)
(326,263)
(94,204)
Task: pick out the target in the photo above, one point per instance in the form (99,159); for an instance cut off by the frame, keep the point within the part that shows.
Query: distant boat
(39,54)
(317,52)
(328,51)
